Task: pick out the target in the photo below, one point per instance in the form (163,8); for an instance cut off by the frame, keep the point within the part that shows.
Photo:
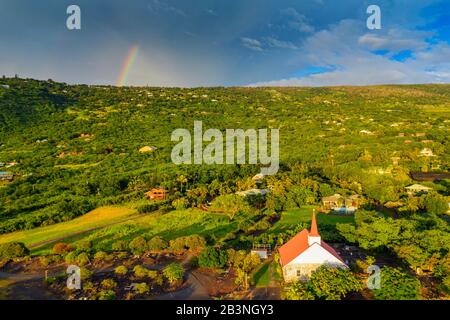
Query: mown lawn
(97,218)
(293,217)
(261,278)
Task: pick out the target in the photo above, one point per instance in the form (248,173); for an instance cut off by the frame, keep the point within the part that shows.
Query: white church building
(306,252)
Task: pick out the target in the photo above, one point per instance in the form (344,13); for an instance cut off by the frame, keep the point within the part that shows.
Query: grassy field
(261,278)
(166,225)
(293,217)
(98,218)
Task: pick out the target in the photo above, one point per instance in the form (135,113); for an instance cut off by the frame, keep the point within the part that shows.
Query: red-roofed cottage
(306,252)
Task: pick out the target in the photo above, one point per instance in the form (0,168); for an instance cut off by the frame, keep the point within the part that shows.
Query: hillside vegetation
(77,146)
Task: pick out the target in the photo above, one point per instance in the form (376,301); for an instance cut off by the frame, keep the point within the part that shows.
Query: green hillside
(77,146)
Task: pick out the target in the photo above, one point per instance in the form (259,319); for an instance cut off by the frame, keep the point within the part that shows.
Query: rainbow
(127,64)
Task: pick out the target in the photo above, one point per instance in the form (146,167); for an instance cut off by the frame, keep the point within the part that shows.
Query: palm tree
(182,180)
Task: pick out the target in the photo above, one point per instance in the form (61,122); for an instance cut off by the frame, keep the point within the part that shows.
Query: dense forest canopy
(77,146)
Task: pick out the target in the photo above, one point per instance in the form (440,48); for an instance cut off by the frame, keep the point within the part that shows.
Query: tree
(141,288)
(195,242)
(107,295)
(397,285)
(174,272)
(332,283)
(231,204)
(297,291)
(121,270)
(120,245)
(108,284)
(157,243)
(182,180)
(82,259)
(211,257)
(138,246)
(140,271)
(62,248)
(180,203)
(435,203)
(11,250)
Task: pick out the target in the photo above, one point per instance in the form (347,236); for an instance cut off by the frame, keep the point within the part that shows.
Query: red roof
(294,247)
(298,244)
(331,250)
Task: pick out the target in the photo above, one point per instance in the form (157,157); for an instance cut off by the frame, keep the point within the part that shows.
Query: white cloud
(395,40)
(251,44)
(341,46)
(276,43)
(297,21)
(158,6)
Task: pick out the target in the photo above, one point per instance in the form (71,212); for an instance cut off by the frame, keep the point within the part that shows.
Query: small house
(258,178)
(157,194)
(353,201)
(416,189)
(6,176)
(333,202)
(426,152)
(261,253)
(253,192)
(261,250)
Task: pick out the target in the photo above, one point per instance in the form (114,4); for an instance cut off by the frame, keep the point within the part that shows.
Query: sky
(191,43)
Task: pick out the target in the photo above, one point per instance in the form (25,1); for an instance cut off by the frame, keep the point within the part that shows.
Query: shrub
(140,271)
(435,203)
(85,273)
(62,248)
(13,250)
(84,245)
(108,284)
(297,291)
(156,277)
(100,256)
(177,244)
(148,207)
(138,246)
(212,258)
(174,272)
(71,257)
(121,270)
(332,283)
(195,242)
(397,285)
(122,255)
(82,259)
(189,242)
(157,243)
(446,284)
(180,203)
(141,288)
(120,246)
(107,295)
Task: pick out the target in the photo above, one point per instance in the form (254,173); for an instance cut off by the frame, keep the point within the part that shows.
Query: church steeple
(314,236)
(314,232)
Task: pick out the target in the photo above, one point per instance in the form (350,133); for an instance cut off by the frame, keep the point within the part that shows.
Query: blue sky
(226,43)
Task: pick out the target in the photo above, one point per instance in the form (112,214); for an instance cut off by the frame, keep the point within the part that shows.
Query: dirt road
(24,287)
